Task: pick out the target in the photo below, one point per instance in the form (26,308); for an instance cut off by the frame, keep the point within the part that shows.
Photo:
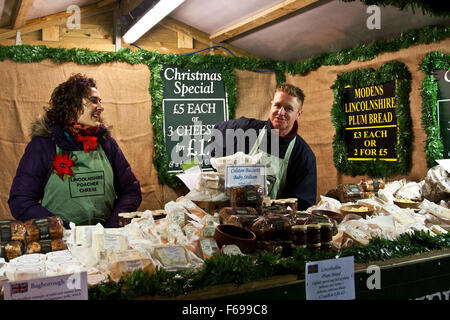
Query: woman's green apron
(276,168)
(87,197)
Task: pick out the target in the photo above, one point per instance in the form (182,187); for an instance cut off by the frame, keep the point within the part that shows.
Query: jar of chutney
(298,236)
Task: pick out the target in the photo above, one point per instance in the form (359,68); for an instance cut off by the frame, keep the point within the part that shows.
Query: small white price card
(330,279)
(245,175)
(65,287)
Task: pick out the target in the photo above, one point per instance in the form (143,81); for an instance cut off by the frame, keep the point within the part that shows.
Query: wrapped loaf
(12,230)
(44,229)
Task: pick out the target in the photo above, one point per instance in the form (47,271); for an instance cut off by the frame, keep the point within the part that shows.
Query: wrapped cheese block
(11,250)
(190,206)
(208,248)
(171,256)
(231,250)
(126,262)
(106,244)
(12,230)
(44,229)
(44,246)
(401,216)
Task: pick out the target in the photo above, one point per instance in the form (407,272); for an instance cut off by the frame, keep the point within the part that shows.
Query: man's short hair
(292,91)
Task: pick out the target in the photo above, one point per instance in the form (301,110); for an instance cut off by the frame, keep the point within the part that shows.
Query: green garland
(392,70)
(428,7)
(434,147)
(426,35)
(224,269)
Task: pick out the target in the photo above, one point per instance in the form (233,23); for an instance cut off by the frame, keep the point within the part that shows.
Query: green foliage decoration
(434,147)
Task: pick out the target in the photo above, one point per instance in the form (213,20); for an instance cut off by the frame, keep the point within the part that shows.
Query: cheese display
(183,235)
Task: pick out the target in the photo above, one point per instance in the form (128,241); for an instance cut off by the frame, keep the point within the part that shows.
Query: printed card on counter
(245,175)
(65,287)
(330,279)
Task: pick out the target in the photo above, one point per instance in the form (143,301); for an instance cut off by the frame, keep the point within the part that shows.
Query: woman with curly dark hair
(72,168)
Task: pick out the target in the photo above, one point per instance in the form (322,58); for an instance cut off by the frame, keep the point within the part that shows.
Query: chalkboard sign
(443,108)
(194,101)
(371,130)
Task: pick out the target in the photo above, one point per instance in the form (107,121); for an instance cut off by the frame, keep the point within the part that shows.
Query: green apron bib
(86,198)
(276,168)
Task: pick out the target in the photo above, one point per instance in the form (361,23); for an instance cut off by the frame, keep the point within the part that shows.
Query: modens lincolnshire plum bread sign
(372,119)
(371,130)
(194,101)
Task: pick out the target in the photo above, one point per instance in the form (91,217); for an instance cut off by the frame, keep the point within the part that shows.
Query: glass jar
(313,235)
(125,218)
(298,236)
(326,232)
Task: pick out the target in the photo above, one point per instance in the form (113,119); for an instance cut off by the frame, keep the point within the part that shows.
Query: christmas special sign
(371,130)
(194,101)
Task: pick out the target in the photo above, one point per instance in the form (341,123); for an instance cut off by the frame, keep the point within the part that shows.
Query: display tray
(423,276)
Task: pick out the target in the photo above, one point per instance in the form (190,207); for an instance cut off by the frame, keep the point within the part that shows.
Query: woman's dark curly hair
(66,100)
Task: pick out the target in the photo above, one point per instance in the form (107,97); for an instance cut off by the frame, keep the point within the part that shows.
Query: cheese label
(209,247)
(178,217)
(44,228)
(208,231)
(132,265)
(173,253)
(5,230)
(111,242)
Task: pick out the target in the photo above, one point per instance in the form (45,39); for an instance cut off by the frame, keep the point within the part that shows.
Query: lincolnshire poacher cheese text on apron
(88,196)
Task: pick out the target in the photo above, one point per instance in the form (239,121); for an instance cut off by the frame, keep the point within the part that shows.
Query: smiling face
(285,110)
(92,109)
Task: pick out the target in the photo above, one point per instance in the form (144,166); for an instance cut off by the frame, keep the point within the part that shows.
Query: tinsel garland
(392,70)
(434,147)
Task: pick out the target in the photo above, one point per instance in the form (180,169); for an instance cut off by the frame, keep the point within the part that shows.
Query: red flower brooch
(64,164)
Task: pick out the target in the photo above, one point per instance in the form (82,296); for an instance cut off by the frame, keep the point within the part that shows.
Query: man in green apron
(290,162)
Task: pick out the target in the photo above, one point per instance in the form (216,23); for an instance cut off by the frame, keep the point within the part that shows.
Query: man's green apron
(276,168)
(87,197)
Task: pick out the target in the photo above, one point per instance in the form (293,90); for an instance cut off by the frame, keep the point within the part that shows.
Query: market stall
(374,116)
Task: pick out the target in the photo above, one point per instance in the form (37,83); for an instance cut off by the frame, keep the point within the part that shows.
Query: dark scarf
(82,135)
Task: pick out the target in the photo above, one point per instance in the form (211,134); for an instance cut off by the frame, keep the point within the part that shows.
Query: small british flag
(20,287)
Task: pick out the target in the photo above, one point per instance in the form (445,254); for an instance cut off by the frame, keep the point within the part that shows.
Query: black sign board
(194,101)
(371,130)
(443,108)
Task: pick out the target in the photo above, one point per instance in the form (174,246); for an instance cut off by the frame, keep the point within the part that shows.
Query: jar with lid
(125,218)
(326,232)
(298,236)
(313,236)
